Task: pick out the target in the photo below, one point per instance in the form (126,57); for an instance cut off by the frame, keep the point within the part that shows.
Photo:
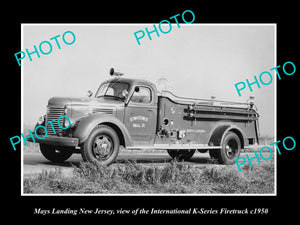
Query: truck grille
(54,113)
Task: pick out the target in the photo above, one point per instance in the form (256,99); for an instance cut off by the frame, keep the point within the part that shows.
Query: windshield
(113,89)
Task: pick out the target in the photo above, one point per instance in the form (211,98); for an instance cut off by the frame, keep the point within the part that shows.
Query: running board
(175,146)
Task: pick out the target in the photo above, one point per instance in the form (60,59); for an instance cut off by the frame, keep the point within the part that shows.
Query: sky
(198,60)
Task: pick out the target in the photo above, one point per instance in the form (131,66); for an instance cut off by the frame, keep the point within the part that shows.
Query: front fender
(87,124)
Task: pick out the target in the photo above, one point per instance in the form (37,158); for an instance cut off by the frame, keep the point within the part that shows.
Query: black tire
(214,153)
(102,145)
(55,154)
(182,154)
(231,149)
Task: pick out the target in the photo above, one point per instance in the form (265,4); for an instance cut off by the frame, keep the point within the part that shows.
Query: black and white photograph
(139,112)
(129,109)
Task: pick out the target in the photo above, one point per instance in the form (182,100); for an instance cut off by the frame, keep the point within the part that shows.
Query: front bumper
(57,141)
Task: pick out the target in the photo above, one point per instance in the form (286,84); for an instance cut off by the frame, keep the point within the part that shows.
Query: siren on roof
(162,84)
(112,72)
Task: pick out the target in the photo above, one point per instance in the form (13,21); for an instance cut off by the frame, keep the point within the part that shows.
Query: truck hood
(81,107)
(62,101)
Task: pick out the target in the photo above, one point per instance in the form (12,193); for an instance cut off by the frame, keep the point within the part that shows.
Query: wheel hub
(102,146)
(229,150)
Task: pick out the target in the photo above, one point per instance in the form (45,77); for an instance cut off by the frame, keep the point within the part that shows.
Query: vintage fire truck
(132,113)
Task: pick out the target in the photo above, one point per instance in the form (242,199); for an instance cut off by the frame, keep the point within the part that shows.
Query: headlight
(41,120)
(65,122)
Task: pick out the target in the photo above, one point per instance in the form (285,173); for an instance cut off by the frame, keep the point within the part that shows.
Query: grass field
(172,178)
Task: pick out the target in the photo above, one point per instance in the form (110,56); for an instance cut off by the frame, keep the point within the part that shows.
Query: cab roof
(132,81)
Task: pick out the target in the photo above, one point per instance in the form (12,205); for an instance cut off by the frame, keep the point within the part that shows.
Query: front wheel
(55,154)
(102,145)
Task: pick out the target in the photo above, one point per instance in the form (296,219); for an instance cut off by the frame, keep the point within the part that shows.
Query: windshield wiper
(108,86)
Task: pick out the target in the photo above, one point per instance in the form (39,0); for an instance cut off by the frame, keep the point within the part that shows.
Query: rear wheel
(102,145)
(231,149)
(56,154)
(181,154)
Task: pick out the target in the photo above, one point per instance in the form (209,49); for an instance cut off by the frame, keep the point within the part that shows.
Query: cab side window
(142,96)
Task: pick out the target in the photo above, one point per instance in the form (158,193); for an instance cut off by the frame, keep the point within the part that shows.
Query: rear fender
(87,124)
(217,136)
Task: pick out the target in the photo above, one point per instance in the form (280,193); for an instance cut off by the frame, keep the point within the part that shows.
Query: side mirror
(89,93)
(111,71)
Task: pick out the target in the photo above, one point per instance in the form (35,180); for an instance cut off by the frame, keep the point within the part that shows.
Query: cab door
(140,116)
